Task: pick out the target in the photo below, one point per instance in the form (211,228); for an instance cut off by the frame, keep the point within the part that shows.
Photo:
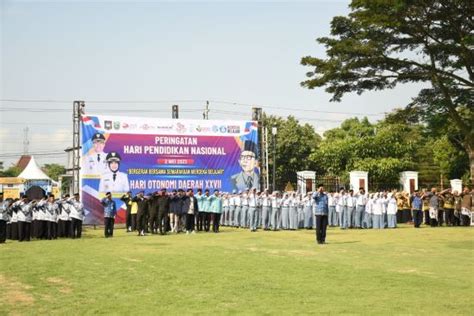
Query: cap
(98,136)
(113,156)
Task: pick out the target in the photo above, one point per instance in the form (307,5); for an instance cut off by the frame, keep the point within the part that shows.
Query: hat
(113,156)
(98,136)
(251,146)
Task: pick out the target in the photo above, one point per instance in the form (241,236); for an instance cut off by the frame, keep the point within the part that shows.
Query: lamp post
(274,133)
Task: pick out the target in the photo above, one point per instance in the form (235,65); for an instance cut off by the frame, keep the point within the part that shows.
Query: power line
(299,108)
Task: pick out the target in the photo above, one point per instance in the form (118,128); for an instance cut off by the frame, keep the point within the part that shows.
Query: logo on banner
(145,127)
(233,129)
(223,129)
(215,128)
(116,125)
(125,125)
(108,125)
(180,128)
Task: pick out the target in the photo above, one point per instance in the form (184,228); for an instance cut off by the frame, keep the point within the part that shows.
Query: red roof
(23,162)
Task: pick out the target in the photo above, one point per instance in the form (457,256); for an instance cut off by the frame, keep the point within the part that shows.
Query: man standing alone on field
(321,200)
(110,209)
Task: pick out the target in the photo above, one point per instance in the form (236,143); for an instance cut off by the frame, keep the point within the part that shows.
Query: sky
(139,58)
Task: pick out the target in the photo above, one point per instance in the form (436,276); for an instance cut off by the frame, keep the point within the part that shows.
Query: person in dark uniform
(127,199)
(163,203)
(153,213)
(142,205)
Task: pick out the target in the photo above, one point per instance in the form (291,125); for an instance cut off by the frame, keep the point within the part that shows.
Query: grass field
(402,271)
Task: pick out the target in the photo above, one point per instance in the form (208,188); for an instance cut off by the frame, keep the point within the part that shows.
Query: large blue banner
(121,154)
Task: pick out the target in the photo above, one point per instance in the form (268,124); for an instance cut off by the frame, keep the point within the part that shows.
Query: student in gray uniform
(351,206)
(266,210)
(238,209)
(308,211)
(293,212)
(231,222)
(245,210)
(301,214)
(361,200)
(332,216)
(276,211)
(252,200)
(285,211)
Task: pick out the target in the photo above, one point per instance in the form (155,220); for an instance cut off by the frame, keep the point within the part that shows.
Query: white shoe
(187,232)
(193,232)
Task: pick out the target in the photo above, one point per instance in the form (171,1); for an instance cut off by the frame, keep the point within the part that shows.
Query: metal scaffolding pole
(78,108)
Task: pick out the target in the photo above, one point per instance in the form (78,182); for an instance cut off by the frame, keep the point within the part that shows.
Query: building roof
(33,172)
(23,162)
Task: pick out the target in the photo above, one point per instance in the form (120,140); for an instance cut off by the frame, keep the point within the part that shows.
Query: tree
(54,170)
(13,171)
(294,143)
(381,44)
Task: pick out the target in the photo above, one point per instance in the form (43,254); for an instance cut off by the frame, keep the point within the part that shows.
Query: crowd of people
(184,211)
(48,218)
(179,211)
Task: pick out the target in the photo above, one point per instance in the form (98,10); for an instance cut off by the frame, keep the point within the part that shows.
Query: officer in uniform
(4,205)
(77,216)
(110,210)
(247,179)
(114,180)
(95,162)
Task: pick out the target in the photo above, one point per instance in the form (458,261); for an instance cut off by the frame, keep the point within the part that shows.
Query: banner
(121,154)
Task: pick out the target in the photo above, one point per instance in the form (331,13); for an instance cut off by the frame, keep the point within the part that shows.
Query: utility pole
(205,115)
(257,116)
(274,133)
(78,110)
(26,141)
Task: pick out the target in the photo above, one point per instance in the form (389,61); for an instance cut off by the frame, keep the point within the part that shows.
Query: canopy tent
(33,172)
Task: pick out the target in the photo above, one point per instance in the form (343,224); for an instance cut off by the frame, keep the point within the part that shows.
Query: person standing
(368,222)
(276,210)
(215,210)
(206,208)
(238,209)
(110,209)
(351,206)
(308,211)
(244,213)
(466,206)
(4,205)
(266,210)
(153,213)
(77,216)
(457,208)
(24,219)
(292,213)
(322,209)
(163,204)
(231,200)
(416,208)
(252,201)
(285,211)
(392,210)
(127,199)
(449,208)
(332,217)
(360,208)
(142,209)
(190,206)
(200,216)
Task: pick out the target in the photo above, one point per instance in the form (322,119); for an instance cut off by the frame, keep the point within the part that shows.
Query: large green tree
(294,142)
(54,170)
(383,43)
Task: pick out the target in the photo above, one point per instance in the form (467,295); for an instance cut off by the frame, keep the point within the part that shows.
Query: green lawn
(402,271)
